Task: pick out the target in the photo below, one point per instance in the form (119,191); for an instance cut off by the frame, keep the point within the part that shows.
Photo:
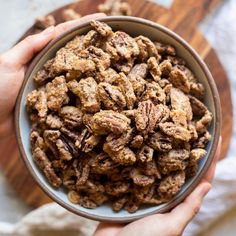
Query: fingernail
(49,30)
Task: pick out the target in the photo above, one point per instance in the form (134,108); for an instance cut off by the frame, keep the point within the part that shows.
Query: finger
(61,28)
(105,229)
(210,173)
(184,213)
(23,52)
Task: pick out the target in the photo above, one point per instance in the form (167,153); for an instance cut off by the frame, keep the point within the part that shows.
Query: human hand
(169,224)
(13,64)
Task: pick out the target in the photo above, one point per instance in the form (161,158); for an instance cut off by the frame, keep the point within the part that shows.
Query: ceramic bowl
(133,26)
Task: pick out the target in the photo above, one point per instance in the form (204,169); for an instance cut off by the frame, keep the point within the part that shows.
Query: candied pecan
(124,156)
(179,101)
(54,122)
(202,140)
(179,117)
(171,185)
(64,61)
(132,205)
(41,77)
(121,45)
(176,159)
(115,8)
(73,197)
(129,113)
(165,68)
(112,121)
(102,163)
(70,14)
(164,83)
(124,66)
(92,186)
(50,138)
(76,44)
(197,154)
(57,93)
(74,135)
(102,28)
(163,113)
(150,168)
(36,140)
(44,22)
(127,89)
(37,100)
(145,153)
(137,141)
(111,96)
(72,116)
(146,48)
(63,150)
(108,76)
(117,142)
(90,143)
(81,172)
(73,74)
(191,170)
(179,80)
(100,58)
(190,76)
(82,138)
(160,142)
(193,131)
(154,68)
(175,61)
(86,91)
(154,93)
(147,195)
(117,188)
(140,179)
(165,49)
(197,90)
(45,166)
(92,38)
(119,203)
(199,109)
(87,203)
(146,117)
(99,198)
(175,131)
(137,76)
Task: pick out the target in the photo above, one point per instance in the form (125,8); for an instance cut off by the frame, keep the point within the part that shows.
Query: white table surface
(18,15)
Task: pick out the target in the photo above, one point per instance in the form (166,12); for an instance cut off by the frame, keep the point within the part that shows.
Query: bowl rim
(216,103)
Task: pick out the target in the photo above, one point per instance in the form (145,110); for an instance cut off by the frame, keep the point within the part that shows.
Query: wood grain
(183,18)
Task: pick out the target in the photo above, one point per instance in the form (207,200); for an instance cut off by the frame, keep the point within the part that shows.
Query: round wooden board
(183,18)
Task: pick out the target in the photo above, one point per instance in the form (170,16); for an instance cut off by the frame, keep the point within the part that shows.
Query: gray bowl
(133,26)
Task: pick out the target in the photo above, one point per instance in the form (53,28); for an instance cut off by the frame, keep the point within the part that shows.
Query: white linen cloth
(51,219)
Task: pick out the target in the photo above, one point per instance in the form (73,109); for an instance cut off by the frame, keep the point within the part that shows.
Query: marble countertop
(21,14)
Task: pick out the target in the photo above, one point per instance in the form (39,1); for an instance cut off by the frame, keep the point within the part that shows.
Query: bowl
(133,26)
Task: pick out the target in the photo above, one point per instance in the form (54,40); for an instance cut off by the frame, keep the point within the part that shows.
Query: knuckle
(29,39)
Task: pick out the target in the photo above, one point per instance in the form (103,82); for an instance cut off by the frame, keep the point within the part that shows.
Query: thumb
(185,212)
(22,52)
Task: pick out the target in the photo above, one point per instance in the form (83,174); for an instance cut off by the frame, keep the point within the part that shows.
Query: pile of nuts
(118,119)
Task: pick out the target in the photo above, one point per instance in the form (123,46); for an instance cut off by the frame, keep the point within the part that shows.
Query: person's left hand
(13,65)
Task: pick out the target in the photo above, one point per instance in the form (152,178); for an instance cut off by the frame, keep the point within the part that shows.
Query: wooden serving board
(183,18)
